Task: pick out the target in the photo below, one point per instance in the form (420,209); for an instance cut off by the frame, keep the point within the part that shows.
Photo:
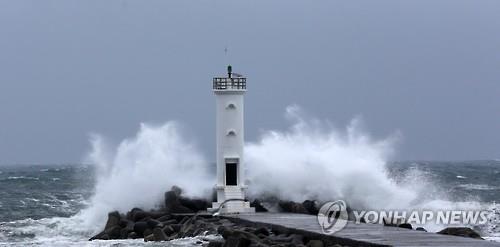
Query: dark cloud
(426,68)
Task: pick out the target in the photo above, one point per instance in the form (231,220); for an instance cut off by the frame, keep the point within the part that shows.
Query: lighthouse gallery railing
(222,83)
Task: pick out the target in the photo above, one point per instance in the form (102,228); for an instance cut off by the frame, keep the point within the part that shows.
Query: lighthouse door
(232,174)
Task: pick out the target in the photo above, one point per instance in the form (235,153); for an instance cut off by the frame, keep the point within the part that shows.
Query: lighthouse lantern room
(229,92)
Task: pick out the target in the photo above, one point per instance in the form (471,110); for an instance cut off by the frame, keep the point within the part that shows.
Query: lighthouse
(229,91)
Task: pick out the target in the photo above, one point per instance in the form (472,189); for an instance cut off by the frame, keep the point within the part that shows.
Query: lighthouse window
(231,106)
(231,133)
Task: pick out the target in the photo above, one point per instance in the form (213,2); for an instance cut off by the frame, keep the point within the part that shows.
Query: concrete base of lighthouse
(230,200)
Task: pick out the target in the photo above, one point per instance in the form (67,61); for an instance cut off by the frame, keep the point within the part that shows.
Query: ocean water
(42,205)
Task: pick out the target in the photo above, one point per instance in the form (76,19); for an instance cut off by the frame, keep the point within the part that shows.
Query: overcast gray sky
(430,69)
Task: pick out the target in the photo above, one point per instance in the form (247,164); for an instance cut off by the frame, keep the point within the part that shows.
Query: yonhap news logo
(333,217)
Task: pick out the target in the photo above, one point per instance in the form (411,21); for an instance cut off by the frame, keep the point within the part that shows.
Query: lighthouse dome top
(233,82)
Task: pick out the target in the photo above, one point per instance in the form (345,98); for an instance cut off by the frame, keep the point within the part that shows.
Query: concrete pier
(356,234)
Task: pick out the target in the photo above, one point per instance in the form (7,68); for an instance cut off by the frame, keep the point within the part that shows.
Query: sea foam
(139,170)
(313,160)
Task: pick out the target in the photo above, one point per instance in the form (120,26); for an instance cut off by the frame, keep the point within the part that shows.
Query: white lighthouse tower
(230,185)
